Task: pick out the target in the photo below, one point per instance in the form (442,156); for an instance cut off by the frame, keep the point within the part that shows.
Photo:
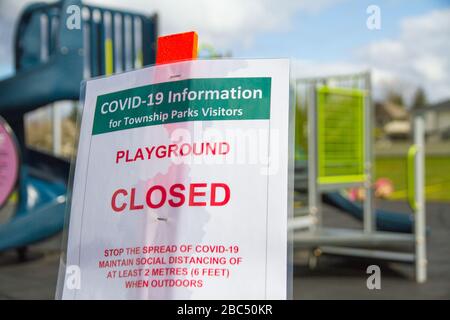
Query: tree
(395,97)
(74,113)
(420,98)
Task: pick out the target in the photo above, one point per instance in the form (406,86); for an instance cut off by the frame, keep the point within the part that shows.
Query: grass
(437,175)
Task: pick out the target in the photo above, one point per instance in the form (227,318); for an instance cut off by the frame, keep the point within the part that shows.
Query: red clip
(177,47)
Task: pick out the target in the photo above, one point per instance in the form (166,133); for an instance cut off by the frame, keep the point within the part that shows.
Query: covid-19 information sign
(181,184)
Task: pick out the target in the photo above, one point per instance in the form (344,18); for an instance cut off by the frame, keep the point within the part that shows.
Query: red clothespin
(177,47)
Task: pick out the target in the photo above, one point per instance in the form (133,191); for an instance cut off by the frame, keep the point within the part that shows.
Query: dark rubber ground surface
(333,278)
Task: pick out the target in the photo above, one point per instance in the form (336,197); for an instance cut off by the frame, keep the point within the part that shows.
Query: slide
(38,217)
(39,82)
(385,220)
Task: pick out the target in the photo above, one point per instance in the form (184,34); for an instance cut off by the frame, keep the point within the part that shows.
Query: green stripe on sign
(185,100)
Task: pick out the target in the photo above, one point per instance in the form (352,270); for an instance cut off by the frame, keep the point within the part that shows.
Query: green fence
(437,175)
(340,135)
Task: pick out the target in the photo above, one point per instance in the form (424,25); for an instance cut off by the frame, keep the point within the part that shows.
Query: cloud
(225,24)
(418,57)
(310,68)
(222,23)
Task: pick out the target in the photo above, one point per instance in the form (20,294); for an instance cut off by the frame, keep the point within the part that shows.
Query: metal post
(46,47)
(369,221)
(420,225)
(313,191)
(56,126)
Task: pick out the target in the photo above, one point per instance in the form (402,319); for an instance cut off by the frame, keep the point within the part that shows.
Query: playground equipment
(52,57)
(9,163)
(339,156)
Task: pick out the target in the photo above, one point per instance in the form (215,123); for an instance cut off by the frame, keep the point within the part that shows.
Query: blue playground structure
(384,220)
(52,57)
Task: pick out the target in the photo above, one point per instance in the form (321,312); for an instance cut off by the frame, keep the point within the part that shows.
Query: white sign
(181,184)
